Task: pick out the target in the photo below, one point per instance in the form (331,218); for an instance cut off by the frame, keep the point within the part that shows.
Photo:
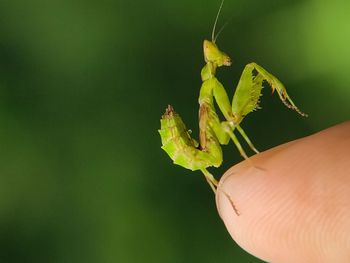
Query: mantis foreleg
(248,91)
(221,98)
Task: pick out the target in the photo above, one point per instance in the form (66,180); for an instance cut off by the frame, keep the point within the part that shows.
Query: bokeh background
(82,87)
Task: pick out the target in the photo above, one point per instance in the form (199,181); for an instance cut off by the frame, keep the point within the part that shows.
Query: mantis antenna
(222,28)
(213,38)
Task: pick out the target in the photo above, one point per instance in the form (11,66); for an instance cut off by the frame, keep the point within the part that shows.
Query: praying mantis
(176,138)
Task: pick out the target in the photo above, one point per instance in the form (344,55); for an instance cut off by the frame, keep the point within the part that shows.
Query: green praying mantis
(176,138)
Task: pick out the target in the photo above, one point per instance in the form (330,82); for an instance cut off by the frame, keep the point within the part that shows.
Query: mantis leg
(248,91)
(214,186)
(278,86)
(228,130)
(247,94)
(220,132)
(210,179)
(244,135)
(238,145)
(224,131)
(222,99)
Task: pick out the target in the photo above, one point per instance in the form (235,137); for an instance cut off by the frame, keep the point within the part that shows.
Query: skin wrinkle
(297,210)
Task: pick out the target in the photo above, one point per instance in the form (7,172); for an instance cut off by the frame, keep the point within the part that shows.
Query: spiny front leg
(248,91)
(279,87)
(224,130)
(247,94)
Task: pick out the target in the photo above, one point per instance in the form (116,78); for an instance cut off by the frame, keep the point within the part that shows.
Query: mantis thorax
(208,71)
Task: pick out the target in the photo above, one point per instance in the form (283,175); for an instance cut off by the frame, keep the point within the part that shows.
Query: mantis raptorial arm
(248,91)
(224,130)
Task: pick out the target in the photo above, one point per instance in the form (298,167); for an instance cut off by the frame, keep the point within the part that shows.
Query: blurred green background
(82,87)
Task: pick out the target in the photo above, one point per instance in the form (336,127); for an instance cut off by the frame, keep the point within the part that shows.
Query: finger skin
(295,207)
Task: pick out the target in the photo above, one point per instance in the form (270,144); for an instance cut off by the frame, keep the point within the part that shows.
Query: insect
(176,138)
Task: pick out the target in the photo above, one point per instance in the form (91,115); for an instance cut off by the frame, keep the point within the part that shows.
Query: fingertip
(235,184)
(236,203)
(295,208)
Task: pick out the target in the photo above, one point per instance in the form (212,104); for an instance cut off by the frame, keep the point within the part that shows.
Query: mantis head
(214,55)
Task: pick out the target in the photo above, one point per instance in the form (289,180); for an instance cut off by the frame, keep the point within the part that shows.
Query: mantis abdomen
(184,150)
